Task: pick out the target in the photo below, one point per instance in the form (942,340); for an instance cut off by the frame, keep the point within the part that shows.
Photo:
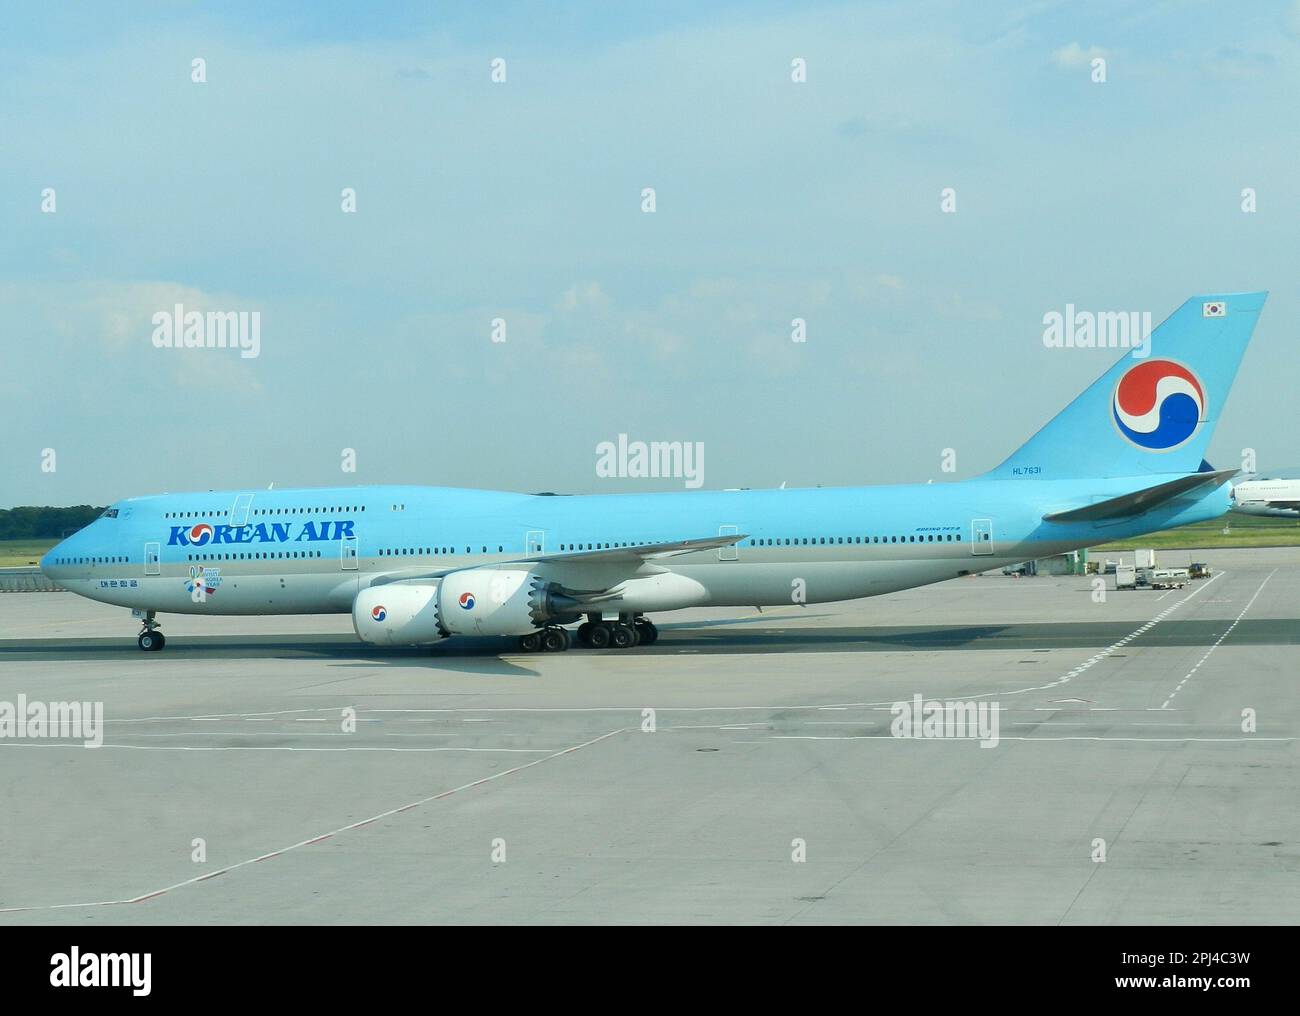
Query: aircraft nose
(47,564)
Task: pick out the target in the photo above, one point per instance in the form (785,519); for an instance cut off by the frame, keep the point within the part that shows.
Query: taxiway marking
(1219,640)
(322,836)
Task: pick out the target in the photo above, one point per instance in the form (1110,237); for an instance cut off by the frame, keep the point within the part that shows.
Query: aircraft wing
(645,552)
(1140,501)
(632,556)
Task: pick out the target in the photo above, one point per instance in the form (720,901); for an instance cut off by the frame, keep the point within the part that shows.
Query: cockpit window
(111,513)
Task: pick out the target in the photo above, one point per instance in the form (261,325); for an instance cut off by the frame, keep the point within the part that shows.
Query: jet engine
(476,601)
(492,601)
(401,614)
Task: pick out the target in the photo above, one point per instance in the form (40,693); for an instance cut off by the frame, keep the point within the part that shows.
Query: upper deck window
(110,513)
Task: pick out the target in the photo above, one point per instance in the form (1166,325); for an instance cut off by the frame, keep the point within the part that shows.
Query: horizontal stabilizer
(1140,501)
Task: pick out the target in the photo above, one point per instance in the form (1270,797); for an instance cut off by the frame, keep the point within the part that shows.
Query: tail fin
(1150,415)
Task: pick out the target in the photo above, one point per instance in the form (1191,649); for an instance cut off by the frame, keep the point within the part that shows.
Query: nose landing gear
(151,639)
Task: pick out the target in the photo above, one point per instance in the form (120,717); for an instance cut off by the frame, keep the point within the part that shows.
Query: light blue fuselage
(311,550)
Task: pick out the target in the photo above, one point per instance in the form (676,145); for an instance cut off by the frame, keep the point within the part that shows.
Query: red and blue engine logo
(1158,405)
(378,612)
(467,601)
(200,534)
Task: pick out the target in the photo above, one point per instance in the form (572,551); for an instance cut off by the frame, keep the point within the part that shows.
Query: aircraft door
(981,536)
(535,542)
(730,552)
(239,510)
(152,559)
(348,553)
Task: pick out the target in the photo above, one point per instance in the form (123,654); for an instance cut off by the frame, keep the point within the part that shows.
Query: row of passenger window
(428,551)
(793,541)
(806,541)
(225,512)
(602,546)
(264,556)
(90,560)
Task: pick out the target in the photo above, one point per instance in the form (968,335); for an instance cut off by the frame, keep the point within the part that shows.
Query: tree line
(45,523)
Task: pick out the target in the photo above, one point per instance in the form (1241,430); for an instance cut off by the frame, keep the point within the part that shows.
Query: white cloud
(105,328)
(1074,55)
(584,296)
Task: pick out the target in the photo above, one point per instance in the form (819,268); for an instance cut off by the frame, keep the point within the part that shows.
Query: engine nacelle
(498,601)
(398,614)
(477,601)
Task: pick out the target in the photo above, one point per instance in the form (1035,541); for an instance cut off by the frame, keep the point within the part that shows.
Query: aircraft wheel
(584,633)
(531,642)
(599,636)
(622,636)
(649,633)
(555,640)
(150,641)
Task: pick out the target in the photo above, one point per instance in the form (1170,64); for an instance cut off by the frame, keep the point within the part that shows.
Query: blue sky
(522,201)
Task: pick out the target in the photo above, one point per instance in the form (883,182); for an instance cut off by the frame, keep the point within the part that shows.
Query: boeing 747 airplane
(414,565)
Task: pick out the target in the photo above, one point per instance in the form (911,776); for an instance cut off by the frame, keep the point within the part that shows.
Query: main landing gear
(151,639)
(548,640)
(625,633)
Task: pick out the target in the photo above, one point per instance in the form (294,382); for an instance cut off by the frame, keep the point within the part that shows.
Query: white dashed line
(1219,640)
(1096,658)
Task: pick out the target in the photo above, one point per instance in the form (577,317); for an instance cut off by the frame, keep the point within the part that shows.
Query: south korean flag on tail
(1215,308)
